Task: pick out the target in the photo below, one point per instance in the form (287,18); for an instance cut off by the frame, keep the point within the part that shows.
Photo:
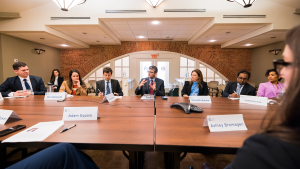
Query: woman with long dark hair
(74,85)
(278,144)
(195,87)
(56,79)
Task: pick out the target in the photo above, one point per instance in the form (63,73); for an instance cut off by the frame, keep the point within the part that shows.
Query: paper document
(38,132)
(147,97)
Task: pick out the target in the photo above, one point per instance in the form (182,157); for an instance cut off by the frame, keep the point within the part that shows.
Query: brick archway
(226,61)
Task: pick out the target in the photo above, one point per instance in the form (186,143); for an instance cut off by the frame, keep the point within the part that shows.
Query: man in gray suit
(151,84)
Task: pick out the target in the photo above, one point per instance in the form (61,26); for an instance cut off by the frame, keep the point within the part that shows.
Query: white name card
(200,99)
(1,98)
(218,123)
(262,101)
(8,114)
(80,113)
(55,96)
(109,98)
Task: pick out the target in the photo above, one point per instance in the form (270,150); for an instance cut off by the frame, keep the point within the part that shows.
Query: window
(121,68)
(186,66)
(98,75)
(210,75)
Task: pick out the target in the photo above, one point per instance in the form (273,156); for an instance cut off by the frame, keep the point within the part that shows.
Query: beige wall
(263,60)
(23,50)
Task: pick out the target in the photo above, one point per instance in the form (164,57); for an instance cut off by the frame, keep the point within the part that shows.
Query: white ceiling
(176,29)
(89,34)
(20,5)
(263,39)
(222,33)
(289,3)
(49,39)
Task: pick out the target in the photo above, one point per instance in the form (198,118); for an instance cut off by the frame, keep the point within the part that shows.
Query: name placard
(200,99)
(262,101)
(218,123)
(80,113)
(55,96)
(109,98)
(8,114)
(1,98)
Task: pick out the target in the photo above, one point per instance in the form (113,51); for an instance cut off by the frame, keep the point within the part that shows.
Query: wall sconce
(275,51)
(39,51)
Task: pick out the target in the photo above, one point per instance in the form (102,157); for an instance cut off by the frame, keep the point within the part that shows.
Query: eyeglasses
(244,79)
(150,72)
(279,64)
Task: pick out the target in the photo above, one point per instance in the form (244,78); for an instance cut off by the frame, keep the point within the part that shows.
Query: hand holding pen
(233,95)
(100,94)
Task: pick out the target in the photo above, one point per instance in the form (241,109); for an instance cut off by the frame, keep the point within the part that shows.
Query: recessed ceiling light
(42,38)
(155,22)
(213,40)
(64,45)
(248,44)
(141,36)
(84,33)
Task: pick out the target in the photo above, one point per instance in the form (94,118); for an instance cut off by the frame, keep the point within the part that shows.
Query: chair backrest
(252,84)
(93,83)
(212,84)
(221,87)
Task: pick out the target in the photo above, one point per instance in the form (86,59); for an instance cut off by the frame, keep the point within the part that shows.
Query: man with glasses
(241,87)
(151,85)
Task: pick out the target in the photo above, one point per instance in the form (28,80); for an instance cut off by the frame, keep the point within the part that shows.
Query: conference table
(135,125)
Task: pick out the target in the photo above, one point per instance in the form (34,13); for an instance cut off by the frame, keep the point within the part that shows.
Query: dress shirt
(109,84)
(56,81)
(11,94)
(239,92)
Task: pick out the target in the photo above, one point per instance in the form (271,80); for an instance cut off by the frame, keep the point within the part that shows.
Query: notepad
(38,132)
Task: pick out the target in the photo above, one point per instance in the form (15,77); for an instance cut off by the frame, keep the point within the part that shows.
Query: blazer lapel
(102,87)
(243,92)
(113,86)
(234,85)
(272,88)
(17,84)
(147,86)
(33,83)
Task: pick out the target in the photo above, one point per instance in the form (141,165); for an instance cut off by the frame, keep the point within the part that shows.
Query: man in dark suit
(151,84)
(241,87)
(23,84)
(108,86)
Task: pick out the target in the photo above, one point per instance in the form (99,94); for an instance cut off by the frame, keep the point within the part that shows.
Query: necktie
(107,89)
(27,85)
(151,90)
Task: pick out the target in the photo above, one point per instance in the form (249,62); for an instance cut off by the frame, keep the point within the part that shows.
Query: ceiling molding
(202,31)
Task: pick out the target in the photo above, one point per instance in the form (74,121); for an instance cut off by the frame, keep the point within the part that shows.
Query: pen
(234,92)
(63,89)
(67,128)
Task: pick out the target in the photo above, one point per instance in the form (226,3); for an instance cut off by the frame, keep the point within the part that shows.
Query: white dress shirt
(56,81)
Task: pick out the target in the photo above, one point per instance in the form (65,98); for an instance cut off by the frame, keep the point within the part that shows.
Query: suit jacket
(12,84)
(59,82)
(203,91)
(115,87)
(81,91)
(160,87)
(268,89)
(231,87)
(264,152)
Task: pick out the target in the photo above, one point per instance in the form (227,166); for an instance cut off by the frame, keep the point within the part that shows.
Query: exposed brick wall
(226,61)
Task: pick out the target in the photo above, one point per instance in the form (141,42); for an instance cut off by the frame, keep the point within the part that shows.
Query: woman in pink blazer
(273,87)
